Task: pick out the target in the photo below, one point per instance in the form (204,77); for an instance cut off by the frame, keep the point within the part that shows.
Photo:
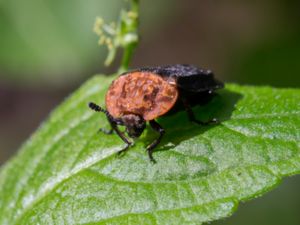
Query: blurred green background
(47,49)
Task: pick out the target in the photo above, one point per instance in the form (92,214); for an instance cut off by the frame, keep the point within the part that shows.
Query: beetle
(142,95)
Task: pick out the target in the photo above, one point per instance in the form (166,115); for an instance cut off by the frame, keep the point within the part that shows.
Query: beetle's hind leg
(155,126)
(192,117)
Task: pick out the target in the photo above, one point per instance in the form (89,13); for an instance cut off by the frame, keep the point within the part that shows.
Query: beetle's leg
(155,126)
(114,127)
(192,117)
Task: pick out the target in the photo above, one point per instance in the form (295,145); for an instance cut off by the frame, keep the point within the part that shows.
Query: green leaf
(67,173)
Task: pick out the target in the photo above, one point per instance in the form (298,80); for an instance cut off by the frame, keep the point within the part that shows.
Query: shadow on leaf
(178,128)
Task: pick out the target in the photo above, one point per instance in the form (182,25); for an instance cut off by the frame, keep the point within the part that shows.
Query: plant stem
(131,27)
(126,58)
(124,35)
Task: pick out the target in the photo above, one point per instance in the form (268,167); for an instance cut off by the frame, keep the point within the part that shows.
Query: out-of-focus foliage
(50,40)
(274,58)
(275,62)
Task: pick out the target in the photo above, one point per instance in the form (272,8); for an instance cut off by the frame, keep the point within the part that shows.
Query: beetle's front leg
(115,128)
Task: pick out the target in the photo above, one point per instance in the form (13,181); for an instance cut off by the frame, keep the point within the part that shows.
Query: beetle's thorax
(141,93)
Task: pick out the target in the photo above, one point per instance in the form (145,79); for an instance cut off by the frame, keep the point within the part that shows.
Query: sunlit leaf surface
(67,173)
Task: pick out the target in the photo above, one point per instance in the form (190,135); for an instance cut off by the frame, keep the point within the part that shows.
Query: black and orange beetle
(144,94)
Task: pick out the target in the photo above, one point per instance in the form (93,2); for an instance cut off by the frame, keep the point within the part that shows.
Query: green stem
(135,6)
(133,27)
(126,58)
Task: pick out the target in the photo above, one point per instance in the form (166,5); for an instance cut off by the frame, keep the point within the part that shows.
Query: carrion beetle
(144,94)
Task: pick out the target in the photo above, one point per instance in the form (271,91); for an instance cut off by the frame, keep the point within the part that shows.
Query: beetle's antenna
(98,108)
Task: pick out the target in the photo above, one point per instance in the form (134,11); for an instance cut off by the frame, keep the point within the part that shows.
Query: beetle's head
(134,124)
